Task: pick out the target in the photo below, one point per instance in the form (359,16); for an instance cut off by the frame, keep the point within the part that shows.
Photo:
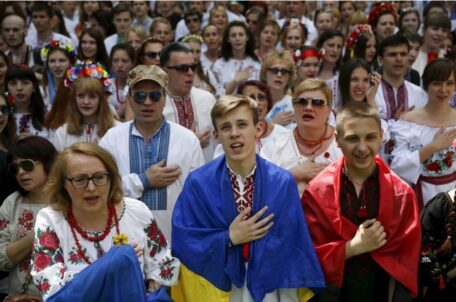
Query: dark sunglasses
(277,70)
(152,54)
(5,109)
(192,20)
(316,103)
(140,97)
(184,67)
(28,165)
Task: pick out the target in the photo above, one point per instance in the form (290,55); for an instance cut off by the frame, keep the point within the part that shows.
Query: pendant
(362,212)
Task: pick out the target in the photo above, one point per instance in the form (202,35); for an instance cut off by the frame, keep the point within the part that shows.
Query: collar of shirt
(241,181)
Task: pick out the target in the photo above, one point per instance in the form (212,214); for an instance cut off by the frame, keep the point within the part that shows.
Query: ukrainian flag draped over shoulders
(284,258)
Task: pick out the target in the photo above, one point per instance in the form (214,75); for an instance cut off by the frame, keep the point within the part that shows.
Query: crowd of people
(236,151)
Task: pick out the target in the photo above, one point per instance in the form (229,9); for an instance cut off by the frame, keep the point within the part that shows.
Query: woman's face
(3,115)
(90,7)
(220,20)
(309,68)
(359,82)
(310,115)
(92,199)
(293,40)
(278,75)
(152,53)
(333,49)
(34,180)
(21,90)
(260,97)
(87,104)
(121,63)
(211,37)
(434,37)
(371,49)
(385,26)
(410,22)
(134,40)
(58,63)
(441,91)
(237,38)
(268,37)
(89,47)
(413,52)
(164,32)
(324,22)
(196,47)
(3,69)
(347,10)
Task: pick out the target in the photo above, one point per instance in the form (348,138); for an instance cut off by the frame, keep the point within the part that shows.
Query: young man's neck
(359,176)
(174,91)
(147,130)
(396,82)
(243,168)
(427,49)
(45,34)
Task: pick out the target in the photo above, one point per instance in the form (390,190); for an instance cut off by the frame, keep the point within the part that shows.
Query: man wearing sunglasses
(187,105)
(154,155)
(193,21)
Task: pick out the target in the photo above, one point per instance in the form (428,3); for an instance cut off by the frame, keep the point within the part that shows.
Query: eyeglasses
(152,54)
(316,103)
(5,109)
(80,182)
(184,67)
(140,97)
(192,20)
(28,165)
(259,97)
(277,70)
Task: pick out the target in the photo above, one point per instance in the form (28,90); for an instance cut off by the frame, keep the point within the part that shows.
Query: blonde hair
(139,31)
(104,120)
(358,18)
(286,30)
(278,55)
(311,85)
(356,110)
(55,188)
(228,103)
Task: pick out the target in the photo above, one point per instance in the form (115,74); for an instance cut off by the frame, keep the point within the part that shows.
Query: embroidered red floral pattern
(155,239)
(3,223)
(25,223)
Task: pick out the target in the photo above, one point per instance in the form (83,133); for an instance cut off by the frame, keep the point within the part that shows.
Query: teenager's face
(87,104)
(149,50)
(237,133)
(58,63)
(134,40)
(347,10)
(122,22)
(211,37)
(163,32)
(324,22)
(385,26)
(441,91)
(193,24)
(237,38)
(260,97)
(360,141)
(34,180)
(121,63)
(293,39)
(395,61)
(90,6)
(21,90)
(268,36)
(434,36)
(333,49)
(413,53)
(371,49)
(359,82)
(219,19)
(309,68)
(410,22)
(41,20)
(140,8)
(89,47)
(196,47)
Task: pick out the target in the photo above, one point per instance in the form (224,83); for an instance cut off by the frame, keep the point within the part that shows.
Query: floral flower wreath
(62,45)
(379,9)
(88,69)
(356,33)
(300,55)
(189,38)
(294,22)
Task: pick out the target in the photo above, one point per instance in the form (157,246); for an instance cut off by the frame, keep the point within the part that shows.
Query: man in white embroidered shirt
(185,104)
(154,155)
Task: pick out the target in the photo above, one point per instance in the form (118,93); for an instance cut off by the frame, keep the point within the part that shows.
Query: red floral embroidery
(162,240)
(75,258)
(42,261)
(25,222)
(152,231)
(449,159)
(49,240)
(3,223)
(43,286)
(166,273)
(434,166)
(24,266)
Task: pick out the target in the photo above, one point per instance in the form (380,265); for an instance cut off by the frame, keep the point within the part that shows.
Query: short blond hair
(356,110)
(311,85)
(228,103)
(278,55)
(55,188)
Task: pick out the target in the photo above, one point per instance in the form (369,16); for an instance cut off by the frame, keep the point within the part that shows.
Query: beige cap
(147,72)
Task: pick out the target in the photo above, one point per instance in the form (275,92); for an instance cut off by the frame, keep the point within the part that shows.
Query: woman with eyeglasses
(88,113)
(29,108)
(93,242)
(91,47)
(259,91)
(29,161)
(311,146)
(150,50)
(278,72)
(123,59)
(238,61)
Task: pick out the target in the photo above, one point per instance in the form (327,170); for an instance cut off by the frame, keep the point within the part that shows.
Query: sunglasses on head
(5,109)
(28,165)
(316,103)
(140,97)
(152,54)
(277,70)
(184,67)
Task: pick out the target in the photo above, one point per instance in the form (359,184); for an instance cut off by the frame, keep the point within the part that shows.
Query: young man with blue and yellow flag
(238,225)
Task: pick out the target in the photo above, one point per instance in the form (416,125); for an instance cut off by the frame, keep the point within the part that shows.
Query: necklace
(97,239)
(311,143)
